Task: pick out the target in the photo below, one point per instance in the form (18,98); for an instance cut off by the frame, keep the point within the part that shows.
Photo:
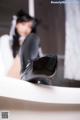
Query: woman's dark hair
(22,16)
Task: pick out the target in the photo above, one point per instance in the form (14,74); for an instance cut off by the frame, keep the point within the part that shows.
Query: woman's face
(24,28)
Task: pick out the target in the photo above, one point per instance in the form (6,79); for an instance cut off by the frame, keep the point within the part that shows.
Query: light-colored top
(6,58)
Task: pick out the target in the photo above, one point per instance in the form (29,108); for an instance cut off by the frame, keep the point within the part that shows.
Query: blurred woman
(27,51)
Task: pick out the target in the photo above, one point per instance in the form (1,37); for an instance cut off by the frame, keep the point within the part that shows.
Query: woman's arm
(15,68)
(40,52)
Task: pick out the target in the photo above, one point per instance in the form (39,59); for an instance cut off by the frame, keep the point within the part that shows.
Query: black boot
(45,65)
(41,70)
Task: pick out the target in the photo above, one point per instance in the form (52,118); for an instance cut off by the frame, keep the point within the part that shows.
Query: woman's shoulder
(34,37)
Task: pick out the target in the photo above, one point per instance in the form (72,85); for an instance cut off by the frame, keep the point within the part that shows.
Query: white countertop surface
(22,90)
